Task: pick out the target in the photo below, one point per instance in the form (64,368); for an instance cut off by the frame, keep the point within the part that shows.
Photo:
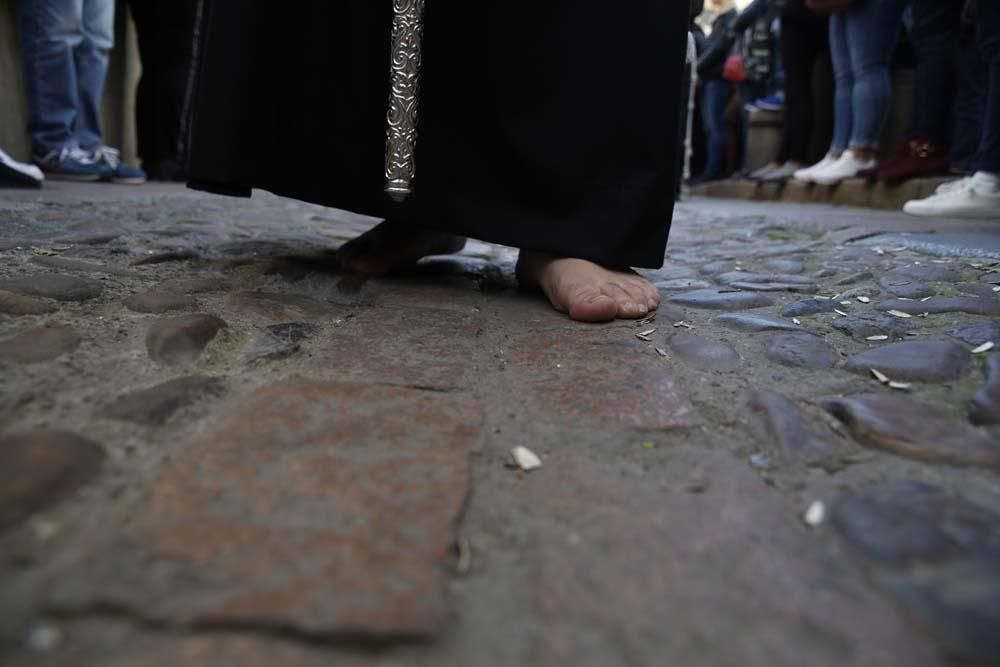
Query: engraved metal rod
(404,98)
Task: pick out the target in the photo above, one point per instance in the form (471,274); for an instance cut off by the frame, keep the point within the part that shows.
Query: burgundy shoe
(902,153)
(925,159)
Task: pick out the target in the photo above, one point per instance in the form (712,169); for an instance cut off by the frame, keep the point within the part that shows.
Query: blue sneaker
(70,164)
(771,103)
(117,170)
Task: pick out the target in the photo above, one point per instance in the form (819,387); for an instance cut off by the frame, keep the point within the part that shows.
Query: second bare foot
(391,246)
(587,291)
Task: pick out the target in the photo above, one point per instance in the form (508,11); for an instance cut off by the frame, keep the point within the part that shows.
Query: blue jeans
(861,43)
(64,47)
(714,99)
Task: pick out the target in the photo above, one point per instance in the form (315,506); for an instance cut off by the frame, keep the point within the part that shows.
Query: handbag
(735,69)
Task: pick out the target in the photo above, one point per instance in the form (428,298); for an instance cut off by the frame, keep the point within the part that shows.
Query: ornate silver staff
(404,97)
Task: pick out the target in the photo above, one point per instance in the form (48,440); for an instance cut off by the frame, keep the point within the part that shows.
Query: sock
(987,181)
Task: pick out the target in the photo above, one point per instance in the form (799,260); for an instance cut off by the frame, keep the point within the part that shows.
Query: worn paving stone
(159,302)
(704,354)
(714,299)
(763,278)
(973,305)
(682,283)
(164,256)
(975,289)
(54,286)
(861,290)
(803,350)
(181,339)
(937,555)
(196,285)
(39,344)
(414,347)
(853,278)
(932,273)
(278,341)
(775,287)
(992,278)
(582,376)
(68,264)
(784,422)
(787,266)
(716,268)
(867,323)
(918,360)
(278,307)
(977,334)
(41,468)
(629,575)
(825,272)
(907,288)
(985,405)
(805,307)
(914,430)
(155,405)
(16,304)
(321,508)
(753,322)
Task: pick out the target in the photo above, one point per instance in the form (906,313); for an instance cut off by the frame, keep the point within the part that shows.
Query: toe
(630,305)
(590,305)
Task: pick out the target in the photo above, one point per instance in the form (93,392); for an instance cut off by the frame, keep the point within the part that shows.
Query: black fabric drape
(550,126)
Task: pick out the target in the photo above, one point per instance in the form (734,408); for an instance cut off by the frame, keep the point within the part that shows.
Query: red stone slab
(324,508)
(598,375)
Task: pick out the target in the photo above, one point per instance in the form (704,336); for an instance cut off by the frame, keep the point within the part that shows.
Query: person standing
(529,136)
(166,33)
(65,46)
(976,196)
(862,37)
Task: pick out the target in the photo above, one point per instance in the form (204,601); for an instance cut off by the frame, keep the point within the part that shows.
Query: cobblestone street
(219,451)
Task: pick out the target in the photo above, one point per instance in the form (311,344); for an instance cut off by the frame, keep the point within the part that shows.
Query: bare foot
(390,246)
(587,291)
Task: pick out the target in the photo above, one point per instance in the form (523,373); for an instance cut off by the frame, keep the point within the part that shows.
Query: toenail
(642,309)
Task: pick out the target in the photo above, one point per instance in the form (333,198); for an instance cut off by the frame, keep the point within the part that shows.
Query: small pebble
(815,515)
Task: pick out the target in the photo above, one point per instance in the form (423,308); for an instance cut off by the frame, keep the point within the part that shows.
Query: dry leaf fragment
(796,320)
(845,303)
(49,252)
(864,299)
(985,347)
(645,338)
(684,324)
(840,312)
(879,251)
(880,376)
(903,386)
(815,514)
(997,288)
(525,459)
(878,337)
(900,284)
(899,313)
(647,332)
(926,298)
(660,351)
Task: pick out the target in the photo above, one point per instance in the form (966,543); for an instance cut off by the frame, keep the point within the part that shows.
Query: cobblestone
(310,468)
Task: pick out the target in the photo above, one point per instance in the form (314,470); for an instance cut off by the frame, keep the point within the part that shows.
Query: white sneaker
(846,167)
(19,173)
(805,175)
(962,199)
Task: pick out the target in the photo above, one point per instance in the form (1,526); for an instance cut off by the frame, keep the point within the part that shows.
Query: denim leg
(715,97)
(843,82)
(872,32)
(935,33)
(92,68)
(50,31)
(988,27)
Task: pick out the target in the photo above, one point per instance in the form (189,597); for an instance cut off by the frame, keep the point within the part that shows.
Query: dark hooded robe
(550,125)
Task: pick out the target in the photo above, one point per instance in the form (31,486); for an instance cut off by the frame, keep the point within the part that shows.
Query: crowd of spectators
(774,55)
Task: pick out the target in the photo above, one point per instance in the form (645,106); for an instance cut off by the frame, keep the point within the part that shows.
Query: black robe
(544,124)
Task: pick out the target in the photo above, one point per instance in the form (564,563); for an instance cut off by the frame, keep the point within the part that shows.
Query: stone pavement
(217,450)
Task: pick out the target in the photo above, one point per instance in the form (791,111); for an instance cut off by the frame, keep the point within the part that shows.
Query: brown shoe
(925,159)
(901,153)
